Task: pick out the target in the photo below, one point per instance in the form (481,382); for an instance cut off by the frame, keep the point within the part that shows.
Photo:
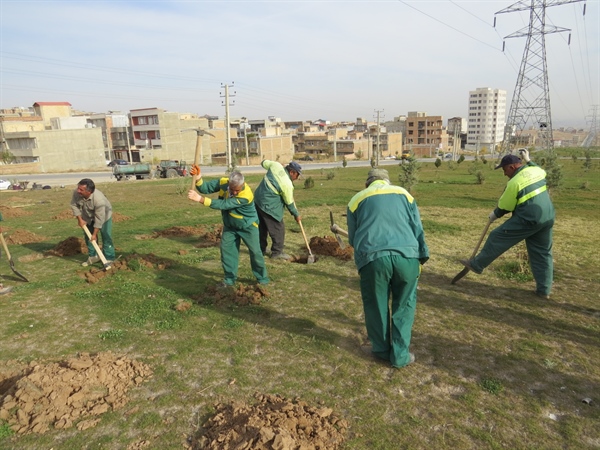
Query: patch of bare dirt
(131,262)
(208,236)
(74,392)
(9,212)
(20,237)
(240,295)
(68,214)
(69,247)
(272,423)
(328,246)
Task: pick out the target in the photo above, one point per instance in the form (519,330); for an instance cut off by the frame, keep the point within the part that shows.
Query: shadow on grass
(538,321)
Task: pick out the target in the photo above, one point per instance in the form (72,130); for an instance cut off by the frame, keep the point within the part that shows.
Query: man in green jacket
(275,191)
(384,227)
(240,222)
(526,197)
(92,209)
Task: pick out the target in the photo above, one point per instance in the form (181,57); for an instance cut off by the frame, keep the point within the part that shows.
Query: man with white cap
(526,197)
(384,227)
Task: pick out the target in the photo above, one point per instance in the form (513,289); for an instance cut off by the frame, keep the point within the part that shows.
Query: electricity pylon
(591,140)
(531,98)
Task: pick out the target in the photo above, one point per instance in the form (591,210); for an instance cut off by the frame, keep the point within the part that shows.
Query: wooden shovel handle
(485,230)
(304,236)
(95,244)
(5,246)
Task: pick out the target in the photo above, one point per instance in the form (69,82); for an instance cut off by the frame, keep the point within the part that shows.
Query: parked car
(307,158)
(120,162)
(448,155)
(4,185)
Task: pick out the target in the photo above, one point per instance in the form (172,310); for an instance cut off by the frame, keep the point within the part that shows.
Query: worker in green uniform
(92,209)
(384,227)
(532,220)
(240,221)
(275,191)
(4,289)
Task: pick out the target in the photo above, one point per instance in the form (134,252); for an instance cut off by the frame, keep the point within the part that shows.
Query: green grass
(493,361)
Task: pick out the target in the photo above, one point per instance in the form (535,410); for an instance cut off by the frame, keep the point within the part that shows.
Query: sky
(295,60)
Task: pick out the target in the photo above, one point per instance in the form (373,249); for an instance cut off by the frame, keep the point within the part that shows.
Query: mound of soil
(328,246)
(69,247)
(272,423)
(242,295)
(20,237)
(9,212)
(66,393)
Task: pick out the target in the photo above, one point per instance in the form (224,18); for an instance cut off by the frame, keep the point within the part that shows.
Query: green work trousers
(108,248)
(538,239)
(230,254)
(389,324)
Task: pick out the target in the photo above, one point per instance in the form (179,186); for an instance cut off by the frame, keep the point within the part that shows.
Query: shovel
(107,265)
(311,257)
(10,260)
(463,272)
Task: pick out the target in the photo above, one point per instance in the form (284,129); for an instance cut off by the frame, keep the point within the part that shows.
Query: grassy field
(496,366)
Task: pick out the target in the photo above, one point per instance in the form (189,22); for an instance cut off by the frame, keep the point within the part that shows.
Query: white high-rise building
(487,116)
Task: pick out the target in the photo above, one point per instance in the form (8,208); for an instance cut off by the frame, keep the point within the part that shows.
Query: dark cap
(295,166)
(508,160)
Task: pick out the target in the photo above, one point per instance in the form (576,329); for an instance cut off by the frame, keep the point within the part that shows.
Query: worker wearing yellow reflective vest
(240,222)
(532,220)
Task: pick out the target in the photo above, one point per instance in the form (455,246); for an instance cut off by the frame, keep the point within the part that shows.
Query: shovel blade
(459,275)
(12,267)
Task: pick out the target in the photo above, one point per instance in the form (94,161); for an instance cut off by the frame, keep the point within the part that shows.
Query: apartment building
(487,116)
(160,134)
(425,135)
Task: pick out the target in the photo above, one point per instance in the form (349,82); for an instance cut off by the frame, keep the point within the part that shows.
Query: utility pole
(378,135)
(531,98)
(227,127)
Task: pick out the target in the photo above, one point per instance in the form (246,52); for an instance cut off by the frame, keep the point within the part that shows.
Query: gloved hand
(195,170)
(524,155)
(492,217)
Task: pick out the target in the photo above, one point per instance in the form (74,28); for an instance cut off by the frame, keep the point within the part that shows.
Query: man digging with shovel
(532,220)
(93,212)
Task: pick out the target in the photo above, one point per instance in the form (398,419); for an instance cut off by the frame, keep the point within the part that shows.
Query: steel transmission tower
(531,99)
(591,139)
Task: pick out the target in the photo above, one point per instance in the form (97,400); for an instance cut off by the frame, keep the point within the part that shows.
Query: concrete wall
(65,150)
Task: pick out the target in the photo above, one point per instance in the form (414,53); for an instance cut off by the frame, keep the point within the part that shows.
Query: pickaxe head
(335,232)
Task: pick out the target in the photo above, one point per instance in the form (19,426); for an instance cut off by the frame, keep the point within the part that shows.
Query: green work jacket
(275,191)
(526,196)
(384,220)
(238,211)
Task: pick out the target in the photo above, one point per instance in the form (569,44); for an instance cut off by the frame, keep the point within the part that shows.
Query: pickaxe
(198,153)
(337,231)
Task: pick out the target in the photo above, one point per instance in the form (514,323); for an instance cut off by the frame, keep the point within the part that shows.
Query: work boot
(410,361)
(5,290)
(91,261)
(467,264)
(281,256)
(544,296)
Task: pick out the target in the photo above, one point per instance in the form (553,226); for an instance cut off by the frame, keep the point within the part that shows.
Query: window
(143,135)
(157,134)
(142,120)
